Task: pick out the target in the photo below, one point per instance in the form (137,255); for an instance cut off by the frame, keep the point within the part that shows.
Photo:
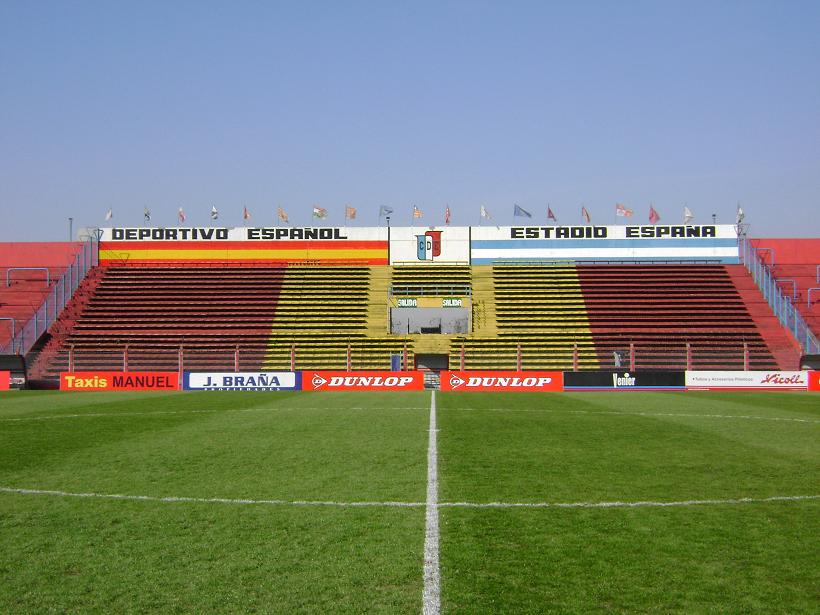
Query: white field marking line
(388,504)
(192,500)
(691,415)
(165,412)
(431,596)
(641,504)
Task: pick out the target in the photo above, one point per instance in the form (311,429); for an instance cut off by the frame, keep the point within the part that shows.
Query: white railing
(25,335)
(783,306)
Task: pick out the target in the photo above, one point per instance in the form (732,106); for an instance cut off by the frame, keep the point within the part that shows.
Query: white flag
(740,215)
(484,213)
(214,212)
(687,214)
(109,214)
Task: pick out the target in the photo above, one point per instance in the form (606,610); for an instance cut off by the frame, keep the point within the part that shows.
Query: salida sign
(362,381)
(119,381)
(502,381)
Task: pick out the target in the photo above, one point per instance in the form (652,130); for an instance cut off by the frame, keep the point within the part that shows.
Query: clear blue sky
(260,104)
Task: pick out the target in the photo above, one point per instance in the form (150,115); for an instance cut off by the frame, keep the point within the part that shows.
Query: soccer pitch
(349,503)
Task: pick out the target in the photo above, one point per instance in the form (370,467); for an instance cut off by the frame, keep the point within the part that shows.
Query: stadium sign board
(624,380)
(242,381)
(709,380)
(715,242)
(362,381)
(501,381)
(814,381)
(5,380)
(119,381)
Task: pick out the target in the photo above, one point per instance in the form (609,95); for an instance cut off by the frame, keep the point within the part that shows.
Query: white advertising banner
(747,380)
(433,245)
(604,243)
(241,381)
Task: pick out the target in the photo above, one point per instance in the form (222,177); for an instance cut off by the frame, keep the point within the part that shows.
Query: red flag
(350,213)
(416,212)
(246,215)
(447,215)
(550,215)
(585,214)
(623,210)
(653,215)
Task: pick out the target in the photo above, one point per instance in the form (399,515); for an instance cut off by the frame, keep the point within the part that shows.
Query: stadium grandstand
(491,298)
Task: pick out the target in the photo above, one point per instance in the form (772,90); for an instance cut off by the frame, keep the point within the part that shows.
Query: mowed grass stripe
(576,451)
(325,453)
(96,554)
(69,555)
(605,551)
(716,559)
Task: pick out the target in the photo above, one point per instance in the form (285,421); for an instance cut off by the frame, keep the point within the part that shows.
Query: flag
(417,212)
(280,213)
(319,212)
(384,210)
(687,215)
(147,214)
(246,215)
(350,212)
(484,213)
(585,214)
(653,215)
(109,214)
(447,215)
(740,215)
(214,212)
(181,215)
(550,215)
(521,212)
(623,210)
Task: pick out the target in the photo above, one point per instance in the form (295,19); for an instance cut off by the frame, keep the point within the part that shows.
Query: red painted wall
(56,254)
(790,251)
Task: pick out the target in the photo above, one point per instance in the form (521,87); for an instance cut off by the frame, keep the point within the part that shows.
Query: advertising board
(490,244)
(814,380)
(624,380)
(773,380)
(5,380)
(119,381)
(251,245)
(362,381)
(501,381)
(242,381)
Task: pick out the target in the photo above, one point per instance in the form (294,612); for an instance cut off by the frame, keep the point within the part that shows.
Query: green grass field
(315,502)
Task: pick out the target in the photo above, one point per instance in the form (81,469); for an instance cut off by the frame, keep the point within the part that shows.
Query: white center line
(432,576)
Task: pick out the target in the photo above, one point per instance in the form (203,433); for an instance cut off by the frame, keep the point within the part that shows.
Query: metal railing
(783,306)
(26,335)
(431,289)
